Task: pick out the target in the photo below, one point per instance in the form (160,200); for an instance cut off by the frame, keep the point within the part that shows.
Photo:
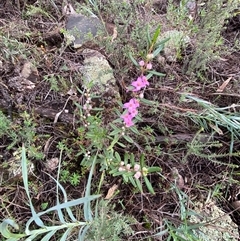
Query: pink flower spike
(138,84)
(141,63)
(149,66)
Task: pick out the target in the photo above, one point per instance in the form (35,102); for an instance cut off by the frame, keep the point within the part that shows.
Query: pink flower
(138,175)
(134,112)
(149,66)
(144,81)
(128,122)
(131,105)
(138,84)
(141,63)
(127,118)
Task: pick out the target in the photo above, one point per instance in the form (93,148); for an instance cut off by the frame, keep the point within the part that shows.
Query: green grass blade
(66,233)
(133,60)
(156,35)
(82,232)
(36,219)
(87,207)
(148,38)
(156,73)
(49,235)
(5,231)
(158,50)
(65,200)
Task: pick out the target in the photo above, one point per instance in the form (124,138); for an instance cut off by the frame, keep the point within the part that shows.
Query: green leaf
(116,173)
(66,233)
(5,231)
(156,73)
(36,219)
(158,50)
(155,35)
(149,75)
(142,161)
(87,207)
(121,144)
(128,139)
(154,169)
(132,158)
(69,204)
(49,235)
(135,130)
(118,157)
(114,141)
(125,178)
(82,232)
(133,181)
(139,185)
(60,214)
(163,41)
(133,60)
(126,158)
(149,185)
(149,102)
(148,37)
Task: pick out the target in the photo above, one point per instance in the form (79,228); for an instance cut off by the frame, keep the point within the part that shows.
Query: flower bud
(128,166)
(138,175)
(136,167)
(150,56)
(141,63)
(149,66)
(141,95)
(145,171)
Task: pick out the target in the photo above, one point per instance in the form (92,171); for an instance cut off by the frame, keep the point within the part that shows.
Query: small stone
(98,76)
(79,28)
(220,228)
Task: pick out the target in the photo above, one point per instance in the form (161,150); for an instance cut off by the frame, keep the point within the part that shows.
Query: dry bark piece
(111,191)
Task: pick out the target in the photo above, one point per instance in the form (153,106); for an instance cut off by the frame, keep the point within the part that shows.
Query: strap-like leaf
(133,60)
(155,35)
(149,185)
(5,231)
(36,219)
(49,235)
(66,233)
(156,73)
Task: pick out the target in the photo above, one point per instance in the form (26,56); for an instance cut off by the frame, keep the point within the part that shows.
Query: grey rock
(79,28)
(98,77)
(216,225)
